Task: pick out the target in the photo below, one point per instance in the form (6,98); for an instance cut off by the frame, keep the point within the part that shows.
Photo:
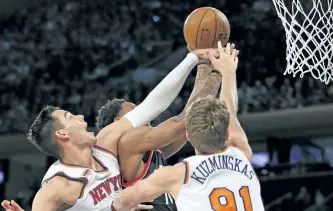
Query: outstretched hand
(11,205)
(227,61)
(203,54)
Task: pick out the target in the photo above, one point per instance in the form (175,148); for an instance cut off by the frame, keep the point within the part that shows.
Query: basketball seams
(223,26)
(215,29)
(196,38)
(187,19)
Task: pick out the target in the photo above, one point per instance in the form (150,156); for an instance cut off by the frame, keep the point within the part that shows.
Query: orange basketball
(204,27)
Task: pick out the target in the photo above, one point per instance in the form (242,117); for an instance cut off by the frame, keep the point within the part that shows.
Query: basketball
(204,27)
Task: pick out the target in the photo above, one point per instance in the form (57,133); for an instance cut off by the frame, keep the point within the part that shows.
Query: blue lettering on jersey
(218,162)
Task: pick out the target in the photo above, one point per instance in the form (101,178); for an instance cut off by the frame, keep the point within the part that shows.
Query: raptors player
(217,178)
(153,147)
(87,175)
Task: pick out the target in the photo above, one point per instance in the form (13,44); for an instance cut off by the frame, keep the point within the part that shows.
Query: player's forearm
(175,146)
(164,93)
(203,71)
(229,93)
(210,86)
(130,197)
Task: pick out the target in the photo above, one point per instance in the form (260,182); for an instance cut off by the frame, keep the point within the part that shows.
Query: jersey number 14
(229,196)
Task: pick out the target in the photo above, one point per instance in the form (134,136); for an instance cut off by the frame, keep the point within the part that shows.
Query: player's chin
(85,125)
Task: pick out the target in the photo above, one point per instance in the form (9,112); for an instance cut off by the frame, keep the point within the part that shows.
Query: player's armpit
(167,179)
(143,139)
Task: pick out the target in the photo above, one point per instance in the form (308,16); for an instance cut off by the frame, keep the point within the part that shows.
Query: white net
(309,36)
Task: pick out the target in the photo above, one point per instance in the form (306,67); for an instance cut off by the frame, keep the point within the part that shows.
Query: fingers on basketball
(212,56)
(220,48)
(237,52)
(232,47)
(228,49)
(233,53)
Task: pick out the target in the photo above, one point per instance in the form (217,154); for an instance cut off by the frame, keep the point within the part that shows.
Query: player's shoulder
(67,171)
(115,129)
(240,152)
(109,137)
(52,170)
(56,185)
(171,172)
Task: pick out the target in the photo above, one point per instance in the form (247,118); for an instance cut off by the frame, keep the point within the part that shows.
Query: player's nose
(80,117)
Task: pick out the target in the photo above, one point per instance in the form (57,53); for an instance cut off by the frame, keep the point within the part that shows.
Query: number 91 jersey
(220,182)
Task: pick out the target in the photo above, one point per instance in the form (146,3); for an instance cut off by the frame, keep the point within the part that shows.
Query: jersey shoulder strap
(70,172)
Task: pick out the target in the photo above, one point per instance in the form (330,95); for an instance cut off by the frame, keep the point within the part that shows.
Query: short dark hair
(41,132)
(108,112)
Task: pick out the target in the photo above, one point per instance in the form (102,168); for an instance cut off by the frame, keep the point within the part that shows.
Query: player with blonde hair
(220,176)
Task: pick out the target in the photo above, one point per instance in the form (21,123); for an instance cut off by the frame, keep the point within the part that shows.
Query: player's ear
(62,135)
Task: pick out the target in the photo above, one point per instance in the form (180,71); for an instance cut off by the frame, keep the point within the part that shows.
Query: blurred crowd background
(77,54)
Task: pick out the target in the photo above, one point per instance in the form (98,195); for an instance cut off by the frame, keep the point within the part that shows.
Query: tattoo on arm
(202,73)
(210,87)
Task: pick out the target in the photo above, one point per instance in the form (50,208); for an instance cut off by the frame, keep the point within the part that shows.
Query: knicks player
(217,178)
(87,176)
(153,146)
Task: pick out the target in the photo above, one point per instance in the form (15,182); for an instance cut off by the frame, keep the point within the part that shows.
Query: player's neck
(79,157)
(217,152)
(200,153)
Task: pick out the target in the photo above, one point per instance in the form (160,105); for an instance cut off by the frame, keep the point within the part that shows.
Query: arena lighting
(156,18)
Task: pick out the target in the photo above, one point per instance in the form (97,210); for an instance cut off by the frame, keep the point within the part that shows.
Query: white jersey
(100,187)
(223,181)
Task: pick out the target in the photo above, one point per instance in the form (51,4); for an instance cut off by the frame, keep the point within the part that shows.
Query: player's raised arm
(48,198)
(168,179)
(227,65)
(207,82)
(155,137)
(56,195)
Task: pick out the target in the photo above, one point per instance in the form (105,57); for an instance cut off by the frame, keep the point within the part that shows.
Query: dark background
(77,54)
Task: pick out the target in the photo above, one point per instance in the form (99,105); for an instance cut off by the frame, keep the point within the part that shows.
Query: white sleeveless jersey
(100,187)
(218,182)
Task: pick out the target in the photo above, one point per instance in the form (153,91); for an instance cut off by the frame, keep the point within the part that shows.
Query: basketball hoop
(309,35)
